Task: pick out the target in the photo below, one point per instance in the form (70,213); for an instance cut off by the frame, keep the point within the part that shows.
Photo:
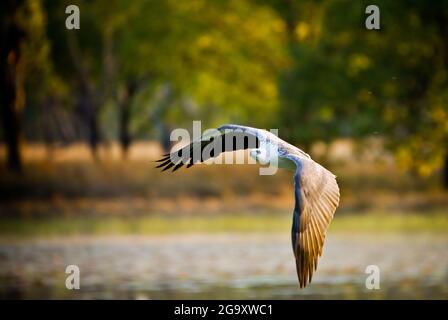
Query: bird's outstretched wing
(315,188)
(223,139)
(316,199)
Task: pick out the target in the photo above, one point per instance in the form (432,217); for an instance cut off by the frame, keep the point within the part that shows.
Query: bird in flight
(316,191)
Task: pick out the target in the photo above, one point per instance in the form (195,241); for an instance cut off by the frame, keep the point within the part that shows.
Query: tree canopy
(309,68)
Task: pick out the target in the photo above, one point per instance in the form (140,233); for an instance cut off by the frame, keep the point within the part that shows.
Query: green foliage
(349,81)
(309,68)
(372,222)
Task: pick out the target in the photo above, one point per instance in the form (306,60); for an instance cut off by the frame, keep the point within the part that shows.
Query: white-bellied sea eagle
(316,191)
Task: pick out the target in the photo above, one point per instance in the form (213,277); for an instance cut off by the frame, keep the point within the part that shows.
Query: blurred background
(84,113)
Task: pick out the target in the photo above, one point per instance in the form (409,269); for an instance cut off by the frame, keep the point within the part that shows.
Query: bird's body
(316,191)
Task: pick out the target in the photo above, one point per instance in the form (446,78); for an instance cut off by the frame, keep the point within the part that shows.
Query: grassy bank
(69,194)
(372,222)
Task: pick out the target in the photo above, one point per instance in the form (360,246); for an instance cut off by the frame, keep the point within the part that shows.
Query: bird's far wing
(316,199)
(223,139)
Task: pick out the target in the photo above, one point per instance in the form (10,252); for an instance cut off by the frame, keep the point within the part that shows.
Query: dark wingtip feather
(168,166)
(163,164)
(178,166)
(163,159)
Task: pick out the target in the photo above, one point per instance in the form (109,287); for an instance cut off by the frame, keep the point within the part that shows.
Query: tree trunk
(125,115)
(13,95)
(94,132)
(125,137)
(90,98)
(88,113)
(445,173)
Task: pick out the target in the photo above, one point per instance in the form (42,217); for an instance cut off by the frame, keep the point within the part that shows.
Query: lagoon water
(223,266)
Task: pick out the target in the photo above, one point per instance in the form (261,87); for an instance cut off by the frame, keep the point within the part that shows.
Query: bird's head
(260,156)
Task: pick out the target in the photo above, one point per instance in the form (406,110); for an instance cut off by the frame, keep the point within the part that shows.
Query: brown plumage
(319,198)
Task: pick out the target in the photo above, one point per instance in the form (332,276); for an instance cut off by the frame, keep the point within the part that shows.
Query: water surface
(223,266)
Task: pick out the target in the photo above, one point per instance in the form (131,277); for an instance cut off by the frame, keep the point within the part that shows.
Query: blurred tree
(308,67)
(125,114)
(208,53)
(320,96)
(11,72)
(237,58)
(24,59)
(83,59)
(46,93)
(350,81)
